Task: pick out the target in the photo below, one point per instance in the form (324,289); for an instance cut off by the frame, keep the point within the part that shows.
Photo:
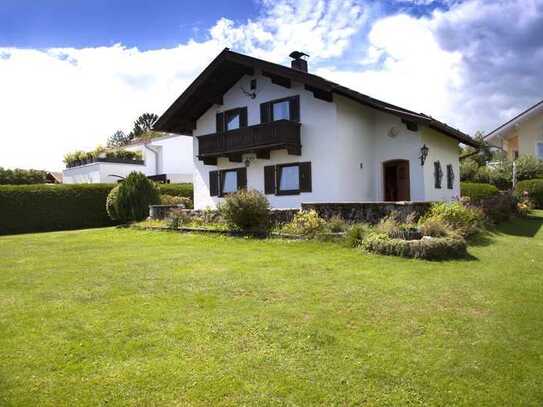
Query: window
(438,174)
(281,110)
(450,176)
(232,120)
(229,182)
(287,179)
(540,151)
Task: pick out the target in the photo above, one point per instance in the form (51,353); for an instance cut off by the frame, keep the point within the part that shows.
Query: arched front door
(396,180)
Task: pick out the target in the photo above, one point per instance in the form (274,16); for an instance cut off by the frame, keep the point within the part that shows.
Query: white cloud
(471,65)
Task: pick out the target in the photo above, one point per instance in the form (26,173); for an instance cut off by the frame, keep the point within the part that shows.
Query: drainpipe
(146,145)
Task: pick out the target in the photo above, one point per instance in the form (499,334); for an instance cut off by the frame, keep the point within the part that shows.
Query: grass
(126,317)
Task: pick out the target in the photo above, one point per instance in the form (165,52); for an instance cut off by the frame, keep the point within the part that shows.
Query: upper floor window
(280,109)
(232,119)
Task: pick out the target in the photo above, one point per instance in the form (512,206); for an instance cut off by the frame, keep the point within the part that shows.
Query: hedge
(184,190)
(477,191)
(534,187)
(437,248)
(39,208)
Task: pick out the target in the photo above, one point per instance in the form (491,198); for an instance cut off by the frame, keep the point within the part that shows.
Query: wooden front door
(396,180)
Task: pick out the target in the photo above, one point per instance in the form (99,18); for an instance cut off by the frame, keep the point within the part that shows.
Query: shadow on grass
(522,227)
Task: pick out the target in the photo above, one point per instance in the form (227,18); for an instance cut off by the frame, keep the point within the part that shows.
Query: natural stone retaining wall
(370,212)
(353,212)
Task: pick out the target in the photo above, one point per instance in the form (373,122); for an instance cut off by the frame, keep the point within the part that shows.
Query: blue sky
(72,72)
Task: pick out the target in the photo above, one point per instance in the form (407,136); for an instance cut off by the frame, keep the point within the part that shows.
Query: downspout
(146,145)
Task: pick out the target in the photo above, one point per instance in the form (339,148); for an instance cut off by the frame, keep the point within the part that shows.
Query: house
(521,135)
(300,138)
(167,158)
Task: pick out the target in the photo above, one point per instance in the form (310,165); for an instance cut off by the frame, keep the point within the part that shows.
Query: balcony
(259,139)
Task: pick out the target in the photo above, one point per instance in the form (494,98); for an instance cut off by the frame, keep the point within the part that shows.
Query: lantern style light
(423,154)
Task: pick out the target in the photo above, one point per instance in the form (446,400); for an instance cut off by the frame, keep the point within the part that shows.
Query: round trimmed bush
(534,187)
(476,191)
(133,197)
(246,211)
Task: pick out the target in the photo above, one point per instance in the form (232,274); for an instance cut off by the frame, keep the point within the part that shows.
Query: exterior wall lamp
(423,154)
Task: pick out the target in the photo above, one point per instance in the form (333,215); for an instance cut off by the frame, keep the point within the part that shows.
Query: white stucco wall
(445,150)
(337,138)
(98,172)
(318,138)
(174,154)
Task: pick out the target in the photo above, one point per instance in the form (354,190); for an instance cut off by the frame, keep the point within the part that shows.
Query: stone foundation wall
(367,212)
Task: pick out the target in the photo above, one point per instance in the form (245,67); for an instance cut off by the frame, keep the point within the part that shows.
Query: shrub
(305,223)
(134,196)
(39,208)
(246,210)
(111,201)
(175,200)
(336,224)
(529,167)
(476,192)
(390,224)
(468,169)
(426,248)
(534,188)
(356,234)
(462,219)
(434,227)
(176,218)
(22,177)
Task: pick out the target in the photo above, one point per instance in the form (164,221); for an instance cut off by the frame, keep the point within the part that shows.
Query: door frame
(395,162)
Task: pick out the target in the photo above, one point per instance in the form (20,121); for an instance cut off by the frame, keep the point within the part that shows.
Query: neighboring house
(300,138)
(521,135)
(165,159)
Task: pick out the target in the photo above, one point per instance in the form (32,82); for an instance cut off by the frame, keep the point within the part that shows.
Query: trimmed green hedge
(40,208)
(184,190)
(534,187)
(438,248)
(476,191)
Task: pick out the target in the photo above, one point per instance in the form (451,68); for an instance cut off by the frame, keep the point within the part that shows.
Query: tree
(143,124)
(118,139)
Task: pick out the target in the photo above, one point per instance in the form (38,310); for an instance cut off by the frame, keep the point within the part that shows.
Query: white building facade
(168,159)
(298,143)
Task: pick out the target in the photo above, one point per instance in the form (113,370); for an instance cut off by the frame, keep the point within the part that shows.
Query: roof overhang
(229,67)
(505,128)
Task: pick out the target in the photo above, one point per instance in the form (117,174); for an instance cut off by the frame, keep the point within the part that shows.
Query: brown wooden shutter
(220,122)
(265,112)
(294,107)
(214,183)
(243,117)
(305,177)
(242,178)
(269,180)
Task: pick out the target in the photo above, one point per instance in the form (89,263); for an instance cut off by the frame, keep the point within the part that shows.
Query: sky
(72,72)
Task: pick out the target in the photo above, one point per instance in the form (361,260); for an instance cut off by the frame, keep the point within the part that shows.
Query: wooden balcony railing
(259,139)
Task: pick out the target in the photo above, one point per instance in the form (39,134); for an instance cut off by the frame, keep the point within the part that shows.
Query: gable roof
(228,67)
(507,125)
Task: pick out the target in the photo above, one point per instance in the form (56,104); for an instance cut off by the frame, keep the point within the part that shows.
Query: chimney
(297,61)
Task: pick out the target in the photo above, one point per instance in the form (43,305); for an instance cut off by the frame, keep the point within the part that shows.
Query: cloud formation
(473,64)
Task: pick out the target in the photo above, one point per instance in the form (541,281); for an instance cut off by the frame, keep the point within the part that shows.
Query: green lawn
(125,317)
